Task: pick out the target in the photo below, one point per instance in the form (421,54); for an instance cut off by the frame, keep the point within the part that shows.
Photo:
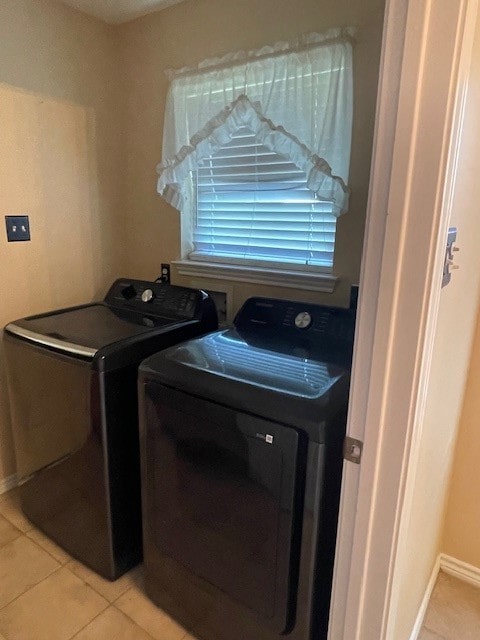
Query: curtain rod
(344,36)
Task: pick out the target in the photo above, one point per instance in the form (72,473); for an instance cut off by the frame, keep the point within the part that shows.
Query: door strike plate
(352,450)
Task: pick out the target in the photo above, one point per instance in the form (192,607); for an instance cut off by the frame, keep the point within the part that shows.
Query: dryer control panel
(297,324)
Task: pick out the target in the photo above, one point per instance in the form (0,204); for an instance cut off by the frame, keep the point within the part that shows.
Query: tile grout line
(112,604)
(64,564)
(87,584)
(41,548)
(135,622)
(133,584)
(5,516)
(20,534)
(30,588)
(14,507)
(90,621)
(131,620)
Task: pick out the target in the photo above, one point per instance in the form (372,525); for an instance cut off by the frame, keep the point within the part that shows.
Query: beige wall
(58,163)
(432,464)
(461,535)
(186,34)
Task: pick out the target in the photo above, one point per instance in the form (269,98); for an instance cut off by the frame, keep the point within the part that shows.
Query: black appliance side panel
(122,466)
(220,500)
(57,414)
(76,434)
(328,524)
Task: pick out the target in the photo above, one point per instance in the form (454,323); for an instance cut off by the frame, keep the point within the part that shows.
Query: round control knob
(129,292)
(147,295)
(303,320)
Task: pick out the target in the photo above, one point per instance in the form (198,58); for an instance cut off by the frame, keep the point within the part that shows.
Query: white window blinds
(254,205)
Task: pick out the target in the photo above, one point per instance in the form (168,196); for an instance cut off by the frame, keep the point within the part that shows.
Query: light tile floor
(453,612)
(46,595)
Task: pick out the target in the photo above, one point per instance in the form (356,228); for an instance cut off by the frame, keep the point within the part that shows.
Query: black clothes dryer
(241,436)
(72,377)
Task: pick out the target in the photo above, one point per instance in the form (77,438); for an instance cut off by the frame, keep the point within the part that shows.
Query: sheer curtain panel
(293,101)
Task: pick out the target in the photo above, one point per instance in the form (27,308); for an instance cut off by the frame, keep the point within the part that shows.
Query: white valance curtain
(220,130)
(301,91)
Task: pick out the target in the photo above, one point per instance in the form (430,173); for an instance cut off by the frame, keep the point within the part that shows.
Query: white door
(425,64)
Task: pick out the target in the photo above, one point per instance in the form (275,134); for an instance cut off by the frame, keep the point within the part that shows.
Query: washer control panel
(155,298)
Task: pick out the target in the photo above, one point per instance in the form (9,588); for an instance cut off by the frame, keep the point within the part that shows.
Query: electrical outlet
(165,273)
(18,228)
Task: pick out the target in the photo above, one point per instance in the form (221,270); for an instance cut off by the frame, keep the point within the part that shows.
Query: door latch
(352,450)
(450,249)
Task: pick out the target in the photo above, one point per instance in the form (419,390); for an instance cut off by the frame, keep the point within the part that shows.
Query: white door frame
(424,70)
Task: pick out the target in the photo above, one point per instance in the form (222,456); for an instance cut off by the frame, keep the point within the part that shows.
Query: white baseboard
(456,568)
(461,570)
(426,599)
(8,483)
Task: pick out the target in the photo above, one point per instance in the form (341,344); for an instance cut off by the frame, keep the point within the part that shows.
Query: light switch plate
(18,228)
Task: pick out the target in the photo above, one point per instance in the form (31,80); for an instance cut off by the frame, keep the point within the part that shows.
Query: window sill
(306,280)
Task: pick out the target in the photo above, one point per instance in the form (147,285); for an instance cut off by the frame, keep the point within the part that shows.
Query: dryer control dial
(303,320)
(147,295)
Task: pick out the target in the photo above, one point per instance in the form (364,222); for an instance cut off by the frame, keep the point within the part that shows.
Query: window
(254,205)
(256,154)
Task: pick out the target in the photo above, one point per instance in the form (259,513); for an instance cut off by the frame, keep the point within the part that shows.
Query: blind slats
(271,239)
(258,171)
(258,197)
(226,159)
(241,251)
(211,217)
(279,229)
(243,212)
(254,204)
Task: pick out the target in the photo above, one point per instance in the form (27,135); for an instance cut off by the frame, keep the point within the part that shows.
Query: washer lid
(85,330)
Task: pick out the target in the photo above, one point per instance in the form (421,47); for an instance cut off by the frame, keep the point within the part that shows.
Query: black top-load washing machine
(72,377)
(241,436)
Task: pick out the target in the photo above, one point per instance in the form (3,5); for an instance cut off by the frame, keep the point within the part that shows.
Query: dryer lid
(231,356)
